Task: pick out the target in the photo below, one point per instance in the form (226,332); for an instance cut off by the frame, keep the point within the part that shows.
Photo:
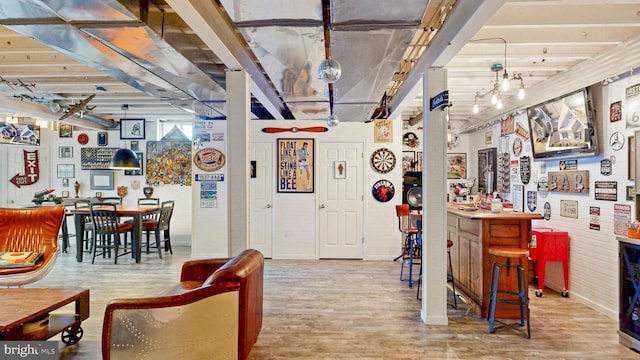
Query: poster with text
(296,165)
(208,194)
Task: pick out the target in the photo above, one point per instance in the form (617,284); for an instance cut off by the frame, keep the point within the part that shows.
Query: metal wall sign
(605,167)
(568,164)
(532,201)
(383,190)
(606,190)
(525,169)
(440,100)
(575,181)
(569,208)
(594,218)
(547,211)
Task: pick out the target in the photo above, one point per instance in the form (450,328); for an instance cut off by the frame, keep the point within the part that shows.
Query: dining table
(136,213)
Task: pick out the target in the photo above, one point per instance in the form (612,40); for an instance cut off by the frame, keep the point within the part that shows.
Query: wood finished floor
(348,310)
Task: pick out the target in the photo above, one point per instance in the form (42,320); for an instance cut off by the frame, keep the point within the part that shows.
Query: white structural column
(434,212)
(238,140)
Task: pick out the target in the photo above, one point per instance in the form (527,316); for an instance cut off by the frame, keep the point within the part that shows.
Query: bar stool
(409,251)
(449,271)
(509,252)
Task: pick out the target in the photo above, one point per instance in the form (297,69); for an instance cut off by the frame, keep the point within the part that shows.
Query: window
(185,126)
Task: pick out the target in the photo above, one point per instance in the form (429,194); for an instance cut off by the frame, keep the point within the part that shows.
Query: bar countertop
(470,212)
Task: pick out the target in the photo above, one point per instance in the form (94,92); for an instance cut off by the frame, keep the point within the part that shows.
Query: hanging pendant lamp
(125,159)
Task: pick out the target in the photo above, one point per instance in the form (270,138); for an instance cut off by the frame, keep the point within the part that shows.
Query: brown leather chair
(30,229)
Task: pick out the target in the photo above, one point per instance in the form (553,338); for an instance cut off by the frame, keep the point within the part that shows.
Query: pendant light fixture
(125,159)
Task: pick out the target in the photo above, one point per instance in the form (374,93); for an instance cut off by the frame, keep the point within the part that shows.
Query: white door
(261,221)
(22,171)
(340,199)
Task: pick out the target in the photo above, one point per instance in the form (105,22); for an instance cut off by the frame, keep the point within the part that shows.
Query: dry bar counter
(472,233)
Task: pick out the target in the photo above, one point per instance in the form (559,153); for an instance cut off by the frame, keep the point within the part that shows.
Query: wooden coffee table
(23,305)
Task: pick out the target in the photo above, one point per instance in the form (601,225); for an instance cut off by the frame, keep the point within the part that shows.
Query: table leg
(65,235)
(137,236)
(79,222)
(411,262)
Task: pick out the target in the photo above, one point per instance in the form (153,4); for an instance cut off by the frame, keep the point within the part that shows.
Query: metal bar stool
(449,268)
(509,252)
(409,251)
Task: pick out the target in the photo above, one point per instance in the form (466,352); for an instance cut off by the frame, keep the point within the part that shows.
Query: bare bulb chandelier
(502,82)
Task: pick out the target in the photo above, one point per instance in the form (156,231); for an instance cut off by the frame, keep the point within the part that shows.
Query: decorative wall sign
(168,162)
(594,218)
(296,165)
(547,211)
(408,161)
(253,166)
(209,160)
(340,169)
(543,187)
(83,139)
(488,138)
(621,217)
(517,198)
(132,128)
(457,166)
(615,111)
(507,125)
(31,170)
(137,172)
(606,190)
(532,201)
(632,105)
(568,208)
(515,171)
(93,158)
(411,140)
(517,147)
(487,170)
(525,169)
(605,167)
(576,181)
(382,131)
(383,190)
(383,160)
(102,138)
(568,164)
(616,141)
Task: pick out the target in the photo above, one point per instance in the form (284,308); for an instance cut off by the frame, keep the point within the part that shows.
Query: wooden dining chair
(111,200)
(107,230)
(88,224)
(161,226)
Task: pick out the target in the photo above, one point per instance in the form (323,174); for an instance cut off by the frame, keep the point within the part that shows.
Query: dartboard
(383,160)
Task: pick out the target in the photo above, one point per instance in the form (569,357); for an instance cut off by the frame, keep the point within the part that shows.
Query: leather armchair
(195,318)
(30,229)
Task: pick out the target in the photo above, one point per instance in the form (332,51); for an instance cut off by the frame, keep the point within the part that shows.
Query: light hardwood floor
(349,310)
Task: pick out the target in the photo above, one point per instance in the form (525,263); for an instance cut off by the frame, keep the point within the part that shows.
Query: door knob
(322,206)
(268,206)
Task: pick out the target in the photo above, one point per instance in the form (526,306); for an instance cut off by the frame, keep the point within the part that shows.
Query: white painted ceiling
(556,46)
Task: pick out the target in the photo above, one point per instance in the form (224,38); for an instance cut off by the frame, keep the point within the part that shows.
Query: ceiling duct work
(106,36)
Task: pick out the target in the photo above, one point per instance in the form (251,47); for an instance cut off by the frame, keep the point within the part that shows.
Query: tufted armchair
(30,229)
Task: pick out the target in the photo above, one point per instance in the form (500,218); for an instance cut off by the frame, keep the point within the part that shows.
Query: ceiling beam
(215,29)
(463,23)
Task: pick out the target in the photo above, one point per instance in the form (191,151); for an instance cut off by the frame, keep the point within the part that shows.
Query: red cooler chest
(549,245)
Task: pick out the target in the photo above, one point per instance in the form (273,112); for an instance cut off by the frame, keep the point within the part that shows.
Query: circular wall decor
(616,141)
(411,140)
(209,159)
(83,139)
(517,147)
(383,160)
(383,190)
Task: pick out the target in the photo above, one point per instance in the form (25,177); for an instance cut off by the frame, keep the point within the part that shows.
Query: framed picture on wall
(457,166)
(296,165)
(101,180)
(65,152)
(487,168)
(66,171)
(132,129)
(408,161)
(65,131)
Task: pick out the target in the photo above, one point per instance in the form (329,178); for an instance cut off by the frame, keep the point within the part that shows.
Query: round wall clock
(383,190)
(83,139)
(383,160)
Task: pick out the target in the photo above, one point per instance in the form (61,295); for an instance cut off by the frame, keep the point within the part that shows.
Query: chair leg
(167,241)
(158,243)
(419,283)
(453,283)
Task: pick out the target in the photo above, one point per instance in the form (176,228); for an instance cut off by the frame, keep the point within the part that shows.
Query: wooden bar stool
(409,251)
(509,252)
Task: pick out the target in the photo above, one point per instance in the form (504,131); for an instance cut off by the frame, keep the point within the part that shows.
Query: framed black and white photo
(132,129)
(101,180)
(65,152)
(65,131)
(66,171)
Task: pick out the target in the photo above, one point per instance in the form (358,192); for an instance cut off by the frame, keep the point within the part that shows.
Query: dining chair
(160,226)
(111,200)
(107,230)
(88,224)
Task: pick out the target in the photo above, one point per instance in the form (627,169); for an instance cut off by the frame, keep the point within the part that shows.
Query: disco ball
(329,70)
(332,121)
